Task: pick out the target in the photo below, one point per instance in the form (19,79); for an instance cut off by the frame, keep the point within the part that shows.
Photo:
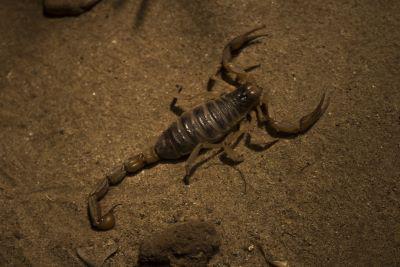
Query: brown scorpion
(217,123)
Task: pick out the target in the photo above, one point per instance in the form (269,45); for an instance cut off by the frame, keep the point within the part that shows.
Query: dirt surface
(79,95)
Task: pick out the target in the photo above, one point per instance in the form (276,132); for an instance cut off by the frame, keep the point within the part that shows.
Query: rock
(191,243)
(60,8)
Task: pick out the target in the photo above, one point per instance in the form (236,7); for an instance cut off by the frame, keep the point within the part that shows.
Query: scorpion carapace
(218,123)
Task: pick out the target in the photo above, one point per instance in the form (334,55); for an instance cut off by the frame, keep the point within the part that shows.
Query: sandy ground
(80,95)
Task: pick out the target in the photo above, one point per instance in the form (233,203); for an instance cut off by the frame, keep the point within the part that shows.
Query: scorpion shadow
(198,9)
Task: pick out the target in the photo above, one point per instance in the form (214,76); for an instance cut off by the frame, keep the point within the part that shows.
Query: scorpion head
(248,95)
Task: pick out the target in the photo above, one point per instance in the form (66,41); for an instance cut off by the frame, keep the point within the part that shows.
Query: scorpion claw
(232,48)
(305,123)
(229,52)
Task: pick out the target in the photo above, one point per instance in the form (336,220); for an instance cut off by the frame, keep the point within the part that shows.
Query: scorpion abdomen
(208,122)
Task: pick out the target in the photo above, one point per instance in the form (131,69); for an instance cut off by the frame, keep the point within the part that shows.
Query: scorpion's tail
(131,166)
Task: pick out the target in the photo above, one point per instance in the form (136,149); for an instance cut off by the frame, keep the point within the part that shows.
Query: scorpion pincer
(216,124)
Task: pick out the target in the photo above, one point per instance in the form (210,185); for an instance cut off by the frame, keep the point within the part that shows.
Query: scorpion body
(214,124)
(206,123)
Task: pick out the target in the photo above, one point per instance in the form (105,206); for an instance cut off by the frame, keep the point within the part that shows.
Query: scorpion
(216,124)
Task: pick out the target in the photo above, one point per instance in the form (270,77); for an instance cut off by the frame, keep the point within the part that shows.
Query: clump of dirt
(191,243)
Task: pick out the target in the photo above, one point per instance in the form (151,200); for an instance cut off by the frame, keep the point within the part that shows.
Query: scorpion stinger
(130,166)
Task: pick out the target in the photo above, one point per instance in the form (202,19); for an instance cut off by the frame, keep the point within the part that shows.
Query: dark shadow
(275,134)
(54,11)
(211,81)
(178,111)
(141,13)
(251,68)
(228,161)
(202,15)
(118,4)
(258,147)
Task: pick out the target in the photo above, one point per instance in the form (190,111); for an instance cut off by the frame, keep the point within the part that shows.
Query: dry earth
(79,95)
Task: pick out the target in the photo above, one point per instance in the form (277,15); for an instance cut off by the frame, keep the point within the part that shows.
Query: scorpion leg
(194,155)
(132,165)
(304,124)
(225,145)
(257,145)
(230,141)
